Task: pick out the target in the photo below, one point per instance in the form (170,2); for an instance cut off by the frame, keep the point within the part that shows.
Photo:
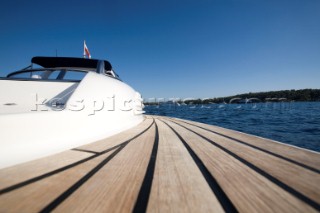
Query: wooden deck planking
(286,172)
(178,185)
(300,155)
(26,171)
(169,165)
(247,190)
(36,196)
(115,187)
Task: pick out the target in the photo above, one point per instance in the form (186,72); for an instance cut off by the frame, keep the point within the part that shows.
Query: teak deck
(168,165)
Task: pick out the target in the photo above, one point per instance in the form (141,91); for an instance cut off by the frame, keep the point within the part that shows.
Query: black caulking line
(225,202)
(84,150)
(144,193)
(79,183)
(35,179)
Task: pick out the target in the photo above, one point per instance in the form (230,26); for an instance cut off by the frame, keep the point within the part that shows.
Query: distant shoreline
(302,95)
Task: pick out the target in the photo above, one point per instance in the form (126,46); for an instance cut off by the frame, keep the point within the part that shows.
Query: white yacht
(58,103)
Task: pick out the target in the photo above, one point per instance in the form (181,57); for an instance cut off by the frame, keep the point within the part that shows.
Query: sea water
(295,123)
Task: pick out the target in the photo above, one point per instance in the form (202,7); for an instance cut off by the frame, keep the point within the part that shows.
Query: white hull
(95,108)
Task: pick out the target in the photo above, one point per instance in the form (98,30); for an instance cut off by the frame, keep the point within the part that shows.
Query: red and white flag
(86,52)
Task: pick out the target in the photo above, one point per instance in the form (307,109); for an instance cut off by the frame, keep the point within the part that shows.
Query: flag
(86,51)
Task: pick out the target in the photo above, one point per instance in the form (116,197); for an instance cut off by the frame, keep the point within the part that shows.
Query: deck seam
(84,150)
(43,176)
(225,202)
(258,148)
(56,202)
(263,173)
(144,193)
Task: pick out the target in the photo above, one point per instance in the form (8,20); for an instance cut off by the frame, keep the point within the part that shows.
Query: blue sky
(174,48)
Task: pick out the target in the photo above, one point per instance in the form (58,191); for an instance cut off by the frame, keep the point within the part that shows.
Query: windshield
(59,74)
